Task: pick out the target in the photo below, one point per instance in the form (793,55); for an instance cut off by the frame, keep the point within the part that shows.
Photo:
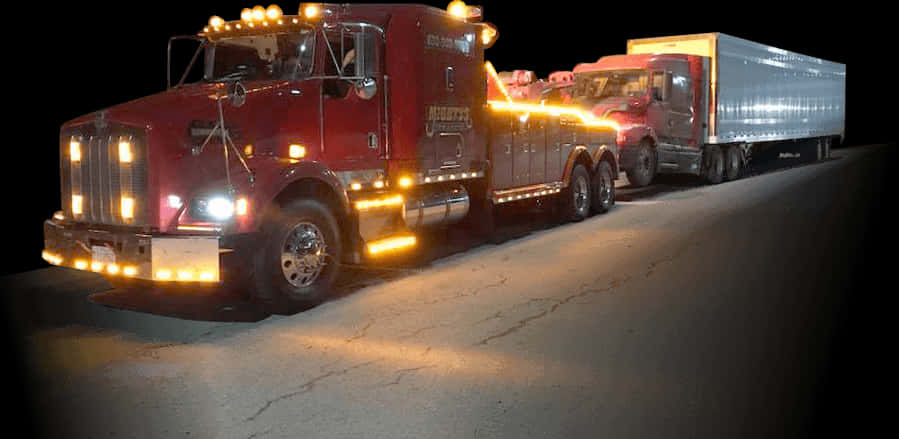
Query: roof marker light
(273,12)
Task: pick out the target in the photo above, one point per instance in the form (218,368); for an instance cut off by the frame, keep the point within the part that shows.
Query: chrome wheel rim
(303,254)
(580,194)
(605,188)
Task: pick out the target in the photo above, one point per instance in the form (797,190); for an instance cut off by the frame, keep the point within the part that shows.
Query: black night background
(91,55)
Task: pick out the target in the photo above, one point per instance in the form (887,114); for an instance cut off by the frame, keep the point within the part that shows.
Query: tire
(576,198)
(733,163)
(603,188)
(300,258)
(714,169)
(644,170)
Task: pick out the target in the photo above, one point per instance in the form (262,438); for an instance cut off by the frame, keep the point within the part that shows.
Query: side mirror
(366,88)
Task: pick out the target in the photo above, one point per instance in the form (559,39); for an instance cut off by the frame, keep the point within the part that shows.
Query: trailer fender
(580,154)
(605,152)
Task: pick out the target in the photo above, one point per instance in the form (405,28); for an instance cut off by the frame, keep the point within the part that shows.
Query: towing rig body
(314,140)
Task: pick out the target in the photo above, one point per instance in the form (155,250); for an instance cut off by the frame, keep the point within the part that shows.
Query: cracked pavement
(683,314)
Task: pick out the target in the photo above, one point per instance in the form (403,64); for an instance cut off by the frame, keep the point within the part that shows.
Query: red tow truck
(328,137)
(702,104)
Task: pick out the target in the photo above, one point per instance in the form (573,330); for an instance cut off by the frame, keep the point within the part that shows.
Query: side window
(681,93)
(659,86)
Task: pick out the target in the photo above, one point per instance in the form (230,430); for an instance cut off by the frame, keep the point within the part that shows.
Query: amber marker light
(457,8)
(129,271)
(297,151)
(216,22)
(125,152)
(75,151)
(96,266)
(378,184)
(112,269)
(273,12)
(164,275)
(311,11)
(488,35)
(390,244)
(405,181)
(248,150)
(258,13)
(81,264)
(127,208)
(76,205)
(355,186)
(241,206)
(246,14)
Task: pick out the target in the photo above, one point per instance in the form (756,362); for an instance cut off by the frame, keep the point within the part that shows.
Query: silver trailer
(761,93)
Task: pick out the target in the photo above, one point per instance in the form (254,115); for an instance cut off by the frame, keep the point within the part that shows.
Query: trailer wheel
(645,167)
(733,163)
(714,170)
(300,256)
(603,188)
(576,198)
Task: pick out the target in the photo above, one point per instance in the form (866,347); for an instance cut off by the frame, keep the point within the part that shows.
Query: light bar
(499,83)
(394,200)
(390,244)
(586,118)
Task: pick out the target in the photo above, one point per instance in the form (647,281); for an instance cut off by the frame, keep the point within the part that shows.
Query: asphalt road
(686,311)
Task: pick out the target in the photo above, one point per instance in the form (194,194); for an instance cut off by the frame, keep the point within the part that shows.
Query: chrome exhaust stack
(436,206)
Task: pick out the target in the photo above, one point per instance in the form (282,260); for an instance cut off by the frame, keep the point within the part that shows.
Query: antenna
(237,95)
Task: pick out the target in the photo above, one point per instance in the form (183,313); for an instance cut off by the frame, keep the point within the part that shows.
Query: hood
(177,121)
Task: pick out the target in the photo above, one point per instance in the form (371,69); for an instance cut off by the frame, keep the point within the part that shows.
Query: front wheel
(300,258)
(645,166)
(603,188)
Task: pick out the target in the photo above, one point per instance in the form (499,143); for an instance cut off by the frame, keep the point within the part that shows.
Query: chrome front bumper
(129,254)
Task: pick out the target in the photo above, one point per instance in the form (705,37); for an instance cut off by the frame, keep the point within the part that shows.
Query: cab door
(352,96)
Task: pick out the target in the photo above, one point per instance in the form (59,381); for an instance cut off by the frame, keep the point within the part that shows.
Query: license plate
(102,254)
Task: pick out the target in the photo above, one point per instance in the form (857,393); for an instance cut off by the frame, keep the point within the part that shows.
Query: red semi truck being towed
(314,140)
(703,104)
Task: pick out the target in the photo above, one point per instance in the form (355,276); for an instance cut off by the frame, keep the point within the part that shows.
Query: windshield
(601,85)
(272,56)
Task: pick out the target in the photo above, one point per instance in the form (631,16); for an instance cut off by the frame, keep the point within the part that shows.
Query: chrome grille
(100,179)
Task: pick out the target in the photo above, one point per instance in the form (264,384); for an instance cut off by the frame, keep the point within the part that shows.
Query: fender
(603,150)
(280,178)
(579,152)
(631,135)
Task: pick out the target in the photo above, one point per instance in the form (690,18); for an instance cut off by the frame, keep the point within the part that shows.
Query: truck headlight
(218,208)
(215,208)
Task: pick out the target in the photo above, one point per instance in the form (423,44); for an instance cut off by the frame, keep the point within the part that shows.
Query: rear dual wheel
(577,197)
(714,164)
